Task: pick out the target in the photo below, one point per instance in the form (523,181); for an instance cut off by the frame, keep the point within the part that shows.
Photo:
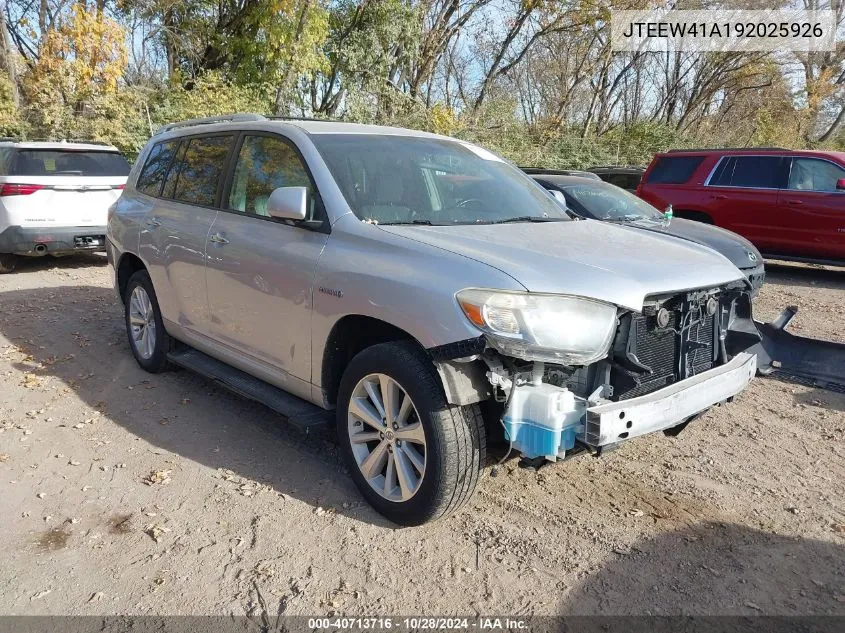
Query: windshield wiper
(528,218)
(421,222)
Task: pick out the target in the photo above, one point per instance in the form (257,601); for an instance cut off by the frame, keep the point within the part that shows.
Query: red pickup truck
(790,204)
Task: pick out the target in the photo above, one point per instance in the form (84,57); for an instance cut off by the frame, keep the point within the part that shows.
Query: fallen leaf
(4,457)
(96,597)
(157,477)
(156,531)
(40,594)
(31,381)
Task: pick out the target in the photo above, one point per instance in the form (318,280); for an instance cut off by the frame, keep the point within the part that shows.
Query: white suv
(54,197)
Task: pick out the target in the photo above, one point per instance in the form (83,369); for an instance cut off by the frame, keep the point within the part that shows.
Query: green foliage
(11,123)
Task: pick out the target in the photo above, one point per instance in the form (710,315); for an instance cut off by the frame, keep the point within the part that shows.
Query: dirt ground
(126,493)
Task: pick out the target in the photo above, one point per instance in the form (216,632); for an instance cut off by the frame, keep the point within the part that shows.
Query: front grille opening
(653,350)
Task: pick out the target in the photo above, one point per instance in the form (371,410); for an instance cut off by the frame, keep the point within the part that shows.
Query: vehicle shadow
(76,334)
(716,569)
(830,400)
(27,265)
(805,275)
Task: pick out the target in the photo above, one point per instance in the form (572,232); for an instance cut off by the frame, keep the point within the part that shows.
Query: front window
(608,202)
(811,174)
(416,180)
(264,164)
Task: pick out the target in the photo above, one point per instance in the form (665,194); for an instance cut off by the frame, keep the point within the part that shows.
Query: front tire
(8,262)
(414,457)
(148,339)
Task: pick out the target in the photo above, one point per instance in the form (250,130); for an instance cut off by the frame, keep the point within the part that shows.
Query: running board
(306,417)
(810,361)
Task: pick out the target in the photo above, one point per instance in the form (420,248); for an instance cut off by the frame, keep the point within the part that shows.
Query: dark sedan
(599,200)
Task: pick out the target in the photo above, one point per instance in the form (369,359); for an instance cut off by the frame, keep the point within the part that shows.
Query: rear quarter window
(155,169)
(674,170)
(7,154)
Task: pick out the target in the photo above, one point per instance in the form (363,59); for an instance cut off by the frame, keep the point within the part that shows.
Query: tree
(79,63)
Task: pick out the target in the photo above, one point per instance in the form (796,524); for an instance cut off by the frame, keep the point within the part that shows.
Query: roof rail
(304,118)
(7,139)
(616,167)
(728,149)
(240,117)
(562,171)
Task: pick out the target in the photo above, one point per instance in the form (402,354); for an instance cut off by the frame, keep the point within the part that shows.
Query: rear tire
(148,339)
(441,463)
(8,262)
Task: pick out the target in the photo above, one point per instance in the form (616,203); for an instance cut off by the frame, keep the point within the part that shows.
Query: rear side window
(757,172)
(625,181)
(674,170)
(149,182)
(200,170)
(44,162)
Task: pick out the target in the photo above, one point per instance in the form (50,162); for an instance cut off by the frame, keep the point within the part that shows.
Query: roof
(619,169)
(754,151)
(342,127)
(66,145)
(542,171)
(562,180)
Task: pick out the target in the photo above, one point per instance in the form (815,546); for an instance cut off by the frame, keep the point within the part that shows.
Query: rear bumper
(614,422)
(59,240)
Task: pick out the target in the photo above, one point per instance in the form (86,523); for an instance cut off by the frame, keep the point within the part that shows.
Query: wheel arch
(462,383)
(127,266)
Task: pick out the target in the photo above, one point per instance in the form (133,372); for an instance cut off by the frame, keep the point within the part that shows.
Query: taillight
(15,189)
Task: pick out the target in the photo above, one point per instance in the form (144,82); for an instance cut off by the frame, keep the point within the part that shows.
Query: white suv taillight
(16,189)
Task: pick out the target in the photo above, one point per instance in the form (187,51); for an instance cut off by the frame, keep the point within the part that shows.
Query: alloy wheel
(142,323)
(387,437)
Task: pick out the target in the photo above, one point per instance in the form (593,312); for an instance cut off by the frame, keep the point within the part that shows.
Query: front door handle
(794,203)
(217,238)
(719,197)
(153,222)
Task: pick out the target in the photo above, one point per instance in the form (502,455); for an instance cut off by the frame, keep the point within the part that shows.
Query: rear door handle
(794,203)
(218,239)
(719,197)
(153,222)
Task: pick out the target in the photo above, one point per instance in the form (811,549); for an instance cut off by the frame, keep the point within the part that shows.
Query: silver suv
(422,288)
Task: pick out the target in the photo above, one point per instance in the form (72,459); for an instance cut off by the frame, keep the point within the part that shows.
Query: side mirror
(288,203)
(840,184)
(557,195)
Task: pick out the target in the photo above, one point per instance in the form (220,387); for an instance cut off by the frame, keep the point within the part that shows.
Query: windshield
(414,180)
(61,162)
(608,202)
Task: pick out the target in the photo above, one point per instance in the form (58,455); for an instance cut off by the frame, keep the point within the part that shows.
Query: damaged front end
(662,367)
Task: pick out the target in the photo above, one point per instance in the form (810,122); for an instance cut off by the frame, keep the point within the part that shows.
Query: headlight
(554,328)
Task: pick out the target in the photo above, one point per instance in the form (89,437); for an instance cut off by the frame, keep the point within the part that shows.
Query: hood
(584,258)
(735,247)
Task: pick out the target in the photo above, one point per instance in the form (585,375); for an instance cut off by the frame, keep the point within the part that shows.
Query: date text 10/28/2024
(419,623)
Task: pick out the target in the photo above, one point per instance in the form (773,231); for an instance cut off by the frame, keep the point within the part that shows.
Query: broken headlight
(541,327)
